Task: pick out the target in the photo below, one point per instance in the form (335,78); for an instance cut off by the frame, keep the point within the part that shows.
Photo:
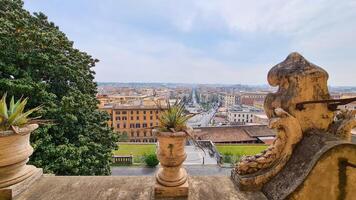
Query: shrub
(227,157)
(151,160)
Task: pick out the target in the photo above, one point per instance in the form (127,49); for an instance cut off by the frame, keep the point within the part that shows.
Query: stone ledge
(132,187)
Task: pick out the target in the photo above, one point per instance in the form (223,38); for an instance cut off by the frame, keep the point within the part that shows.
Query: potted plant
(172,133)
(15,148)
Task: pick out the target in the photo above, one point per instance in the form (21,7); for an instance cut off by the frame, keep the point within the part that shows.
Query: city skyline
(213,42)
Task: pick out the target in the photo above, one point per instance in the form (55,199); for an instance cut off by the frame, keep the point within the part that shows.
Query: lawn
(135,149)
(241,150)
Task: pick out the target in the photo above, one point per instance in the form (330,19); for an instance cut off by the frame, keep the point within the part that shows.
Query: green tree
(38,61)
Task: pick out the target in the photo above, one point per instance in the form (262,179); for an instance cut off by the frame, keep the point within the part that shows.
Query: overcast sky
(207,41)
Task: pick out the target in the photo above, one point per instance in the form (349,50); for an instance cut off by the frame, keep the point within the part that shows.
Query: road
(202,119)
(194,170)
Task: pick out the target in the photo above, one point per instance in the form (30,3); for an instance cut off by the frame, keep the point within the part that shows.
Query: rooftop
(234,133)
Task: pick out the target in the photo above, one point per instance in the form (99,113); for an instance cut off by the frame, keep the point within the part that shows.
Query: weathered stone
(298,81)
(313,170)
(14,190)
(15,150)
(131,187)
(171,177)
(177,191)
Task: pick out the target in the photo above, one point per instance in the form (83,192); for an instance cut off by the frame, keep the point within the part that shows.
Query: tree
(38,61)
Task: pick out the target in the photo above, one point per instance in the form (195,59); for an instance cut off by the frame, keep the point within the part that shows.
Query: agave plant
(14,115)
(174,117)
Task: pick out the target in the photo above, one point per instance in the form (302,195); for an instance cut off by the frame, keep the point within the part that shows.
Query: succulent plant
(14,115)
(174,118)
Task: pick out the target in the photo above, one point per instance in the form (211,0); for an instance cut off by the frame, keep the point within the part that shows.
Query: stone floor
(127,188)
(193,170)
(196,156)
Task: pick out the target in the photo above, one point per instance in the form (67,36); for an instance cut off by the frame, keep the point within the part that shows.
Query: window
(156,111)
(144,117)
(131,112)
(144,125)
(132,134)
(239,115)
(151,112)
(151,124)
(117,112)
(238,120)
(138,125)
(132,125)
(144,133)
(235,115)
(137,112)
(118,118)
(124,125)
(151,117)
(157,117)
(138,134)
(144,112)
(131,117)
(118,125)
(137,118)
(124,112)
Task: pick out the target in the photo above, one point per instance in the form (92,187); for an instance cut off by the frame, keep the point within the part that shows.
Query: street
(202,119)
(194,170)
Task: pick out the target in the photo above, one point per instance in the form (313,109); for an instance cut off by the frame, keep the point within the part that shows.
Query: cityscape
(177,100)
(229,106)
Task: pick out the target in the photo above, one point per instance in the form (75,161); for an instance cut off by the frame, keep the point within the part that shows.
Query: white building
(260,118)
(229,100)
(242,114)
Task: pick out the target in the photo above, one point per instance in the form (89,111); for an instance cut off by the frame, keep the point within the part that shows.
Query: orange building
(135,121)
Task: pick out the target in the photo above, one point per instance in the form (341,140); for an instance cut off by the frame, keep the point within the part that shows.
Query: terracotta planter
(15,150)
(171,155)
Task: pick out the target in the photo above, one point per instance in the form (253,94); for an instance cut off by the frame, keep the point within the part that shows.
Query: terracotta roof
(223,134)
(258,131)
(233,133)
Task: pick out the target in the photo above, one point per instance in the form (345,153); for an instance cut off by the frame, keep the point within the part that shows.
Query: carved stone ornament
(298,80)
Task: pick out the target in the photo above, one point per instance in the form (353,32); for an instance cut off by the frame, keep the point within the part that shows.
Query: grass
(241,150)
(135,149)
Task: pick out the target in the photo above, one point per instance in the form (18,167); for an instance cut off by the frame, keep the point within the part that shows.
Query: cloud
(207,41)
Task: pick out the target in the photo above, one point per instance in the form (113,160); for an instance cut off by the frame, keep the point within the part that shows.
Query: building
(251,97)
(260,119)
(236,134)
(242,114)
(229,100)
(134,121)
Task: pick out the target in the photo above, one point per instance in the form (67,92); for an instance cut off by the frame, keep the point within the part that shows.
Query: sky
(206,41)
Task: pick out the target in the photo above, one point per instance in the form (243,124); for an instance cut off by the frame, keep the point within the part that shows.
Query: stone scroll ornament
(298,80)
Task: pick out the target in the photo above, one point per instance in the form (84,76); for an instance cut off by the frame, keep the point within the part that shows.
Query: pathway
(194,170)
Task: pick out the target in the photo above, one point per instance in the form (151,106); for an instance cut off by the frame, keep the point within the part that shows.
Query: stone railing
(208,144)
(122,160)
